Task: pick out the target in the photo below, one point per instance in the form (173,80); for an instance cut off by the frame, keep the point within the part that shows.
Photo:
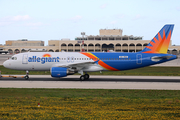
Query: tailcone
(173,57)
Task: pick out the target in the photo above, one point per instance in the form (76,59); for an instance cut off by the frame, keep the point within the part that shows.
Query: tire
(26,77)
(86,76)
(82,78)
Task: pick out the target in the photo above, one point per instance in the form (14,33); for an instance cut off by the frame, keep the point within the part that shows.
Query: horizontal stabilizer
(157,58)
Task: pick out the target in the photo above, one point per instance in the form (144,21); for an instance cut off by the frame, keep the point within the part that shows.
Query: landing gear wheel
(27,73)
(82,78)
(86,76)
(26,77)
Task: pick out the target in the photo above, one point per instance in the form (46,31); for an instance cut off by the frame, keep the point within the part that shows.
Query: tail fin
(160,43)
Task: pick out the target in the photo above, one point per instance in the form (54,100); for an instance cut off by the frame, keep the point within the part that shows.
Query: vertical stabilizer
(160,43)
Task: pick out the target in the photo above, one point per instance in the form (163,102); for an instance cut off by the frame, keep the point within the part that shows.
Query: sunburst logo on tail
(160,43)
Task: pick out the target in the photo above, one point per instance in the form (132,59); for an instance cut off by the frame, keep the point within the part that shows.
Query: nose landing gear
(27,75)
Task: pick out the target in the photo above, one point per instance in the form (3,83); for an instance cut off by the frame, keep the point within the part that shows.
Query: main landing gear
(27,75)
(83,77)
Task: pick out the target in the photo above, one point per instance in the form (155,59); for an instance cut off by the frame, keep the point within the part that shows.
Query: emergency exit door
(139,59)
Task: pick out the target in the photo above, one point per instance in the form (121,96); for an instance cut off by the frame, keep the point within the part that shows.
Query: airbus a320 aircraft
(62,64)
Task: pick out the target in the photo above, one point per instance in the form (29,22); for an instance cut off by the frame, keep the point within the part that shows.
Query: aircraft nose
(5,64)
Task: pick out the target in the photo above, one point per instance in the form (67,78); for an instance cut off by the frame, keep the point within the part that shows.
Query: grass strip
(72,104)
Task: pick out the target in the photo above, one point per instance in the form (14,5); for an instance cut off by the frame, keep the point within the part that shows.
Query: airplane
(62,64)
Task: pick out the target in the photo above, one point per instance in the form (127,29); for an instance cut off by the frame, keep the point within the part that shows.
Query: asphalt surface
(95,82)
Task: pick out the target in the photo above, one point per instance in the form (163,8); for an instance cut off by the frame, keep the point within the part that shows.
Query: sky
(58,19)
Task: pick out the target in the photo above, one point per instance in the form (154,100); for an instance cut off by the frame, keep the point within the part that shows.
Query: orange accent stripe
(106,66)
(100,62)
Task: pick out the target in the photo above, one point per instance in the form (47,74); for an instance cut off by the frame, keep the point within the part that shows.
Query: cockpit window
(14,58)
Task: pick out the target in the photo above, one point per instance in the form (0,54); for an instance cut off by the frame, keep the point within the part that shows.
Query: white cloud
(76,18)
(20,17)
(137,17)
(3,23)
(12,19)
(103,6)
(113,22)
(120,16)
(178,8)
(35,24)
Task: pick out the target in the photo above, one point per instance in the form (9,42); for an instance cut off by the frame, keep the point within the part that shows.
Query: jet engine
(61,71)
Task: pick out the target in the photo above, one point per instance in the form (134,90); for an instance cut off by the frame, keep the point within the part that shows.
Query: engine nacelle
(59,72)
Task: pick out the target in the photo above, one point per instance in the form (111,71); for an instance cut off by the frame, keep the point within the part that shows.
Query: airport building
(107,40)
(24,42)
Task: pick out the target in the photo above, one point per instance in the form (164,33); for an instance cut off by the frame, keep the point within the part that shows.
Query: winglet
(160,43)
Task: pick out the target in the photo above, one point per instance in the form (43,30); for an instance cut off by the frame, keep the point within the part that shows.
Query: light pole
(83,33)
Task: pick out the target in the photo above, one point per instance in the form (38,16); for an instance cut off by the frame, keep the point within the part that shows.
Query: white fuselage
(36,61)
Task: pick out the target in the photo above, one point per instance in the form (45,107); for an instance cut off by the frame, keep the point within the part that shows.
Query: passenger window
(12,58)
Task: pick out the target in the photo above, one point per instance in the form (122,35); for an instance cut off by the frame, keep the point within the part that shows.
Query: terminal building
(107,40)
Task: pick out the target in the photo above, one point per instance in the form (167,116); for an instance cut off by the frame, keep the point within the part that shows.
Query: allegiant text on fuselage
(43,59)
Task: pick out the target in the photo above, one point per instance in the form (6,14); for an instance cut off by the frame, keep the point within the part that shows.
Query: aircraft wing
(77,66)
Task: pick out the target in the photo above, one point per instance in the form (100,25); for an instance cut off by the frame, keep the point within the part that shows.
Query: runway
(95,82)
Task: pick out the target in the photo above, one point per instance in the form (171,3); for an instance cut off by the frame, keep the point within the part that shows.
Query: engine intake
(60,72)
